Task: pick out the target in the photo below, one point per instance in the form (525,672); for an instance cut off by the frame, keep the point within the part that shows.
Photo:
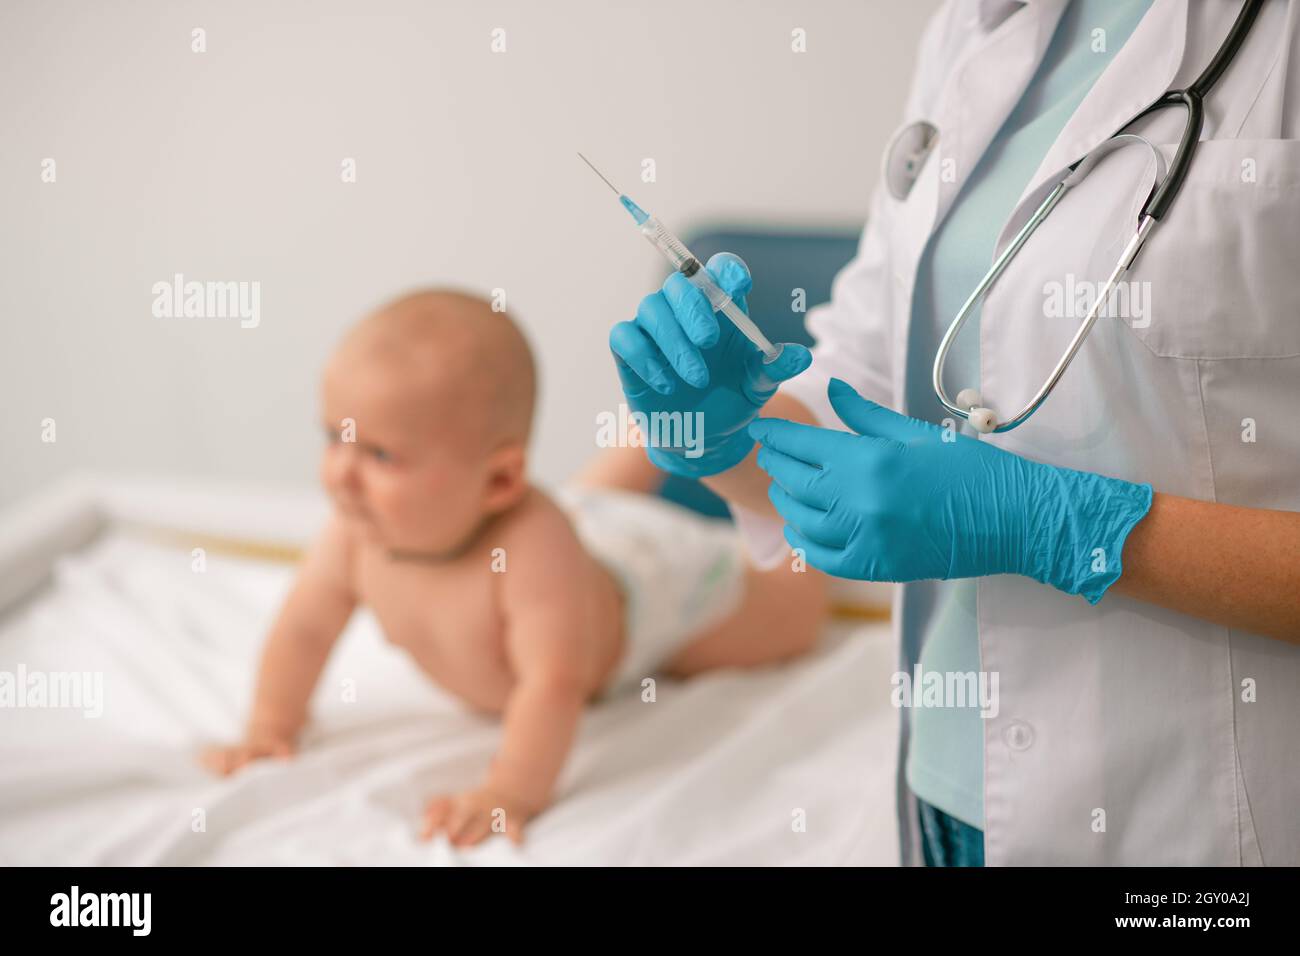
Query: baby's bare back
(453,615)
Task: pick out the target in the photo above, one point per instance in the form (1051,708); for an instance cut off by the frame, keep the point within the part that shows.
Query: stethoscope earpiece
(982,419)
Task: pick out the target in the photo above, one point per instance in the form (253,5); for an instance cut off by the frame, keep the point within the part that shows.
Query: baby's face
(404,462)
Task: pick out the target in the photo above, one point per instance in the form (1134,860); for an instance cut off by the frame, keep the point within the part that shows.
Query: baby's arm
(541,717)
(313,616)
(545,615)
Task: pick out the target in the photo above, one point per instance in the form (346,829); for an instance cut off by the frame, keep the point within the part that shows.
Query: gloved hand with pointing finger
(898,499)
(679,357)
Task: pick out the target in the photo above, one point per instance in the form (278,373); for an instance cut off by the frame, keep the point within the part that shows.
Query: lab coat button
(1018,735)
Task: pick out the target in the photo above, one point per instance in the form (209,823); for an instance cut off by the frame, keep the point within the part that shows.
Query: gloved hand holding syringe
(679,362)
(685,262)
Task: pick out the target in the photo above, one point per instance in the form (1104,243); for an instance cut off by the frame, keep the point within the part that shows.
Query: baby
(516,604)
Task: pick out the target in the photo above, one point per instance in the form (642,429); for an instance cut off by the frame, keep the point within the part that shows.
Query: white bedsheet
(713,772)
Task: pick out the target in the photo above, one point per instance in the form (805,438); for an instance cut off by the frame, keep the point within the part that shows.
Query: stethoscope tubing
(1156,207)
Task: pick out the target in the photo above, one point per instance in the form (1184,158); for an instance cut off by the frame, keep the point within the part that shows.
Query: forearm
(290,667)
(1239,567)
(541,720)
(746,484)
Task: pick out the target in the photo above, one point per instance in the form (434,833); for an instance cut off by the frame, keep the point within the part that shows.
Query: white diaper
(681,572)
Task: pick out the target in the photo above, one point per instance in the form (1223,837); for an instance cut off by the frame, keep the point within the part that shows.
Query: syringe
(684,261)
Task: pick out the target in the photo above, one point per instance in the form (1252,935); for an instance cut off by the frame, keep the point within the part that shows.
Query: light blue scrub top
(945,764)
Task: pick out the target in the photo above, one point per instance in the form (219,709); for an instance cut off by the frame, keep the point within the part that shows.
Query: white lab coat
(1121,714)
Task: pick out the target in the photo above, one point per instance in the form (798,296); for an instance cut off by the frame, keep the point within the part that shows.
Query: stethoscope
(969,404)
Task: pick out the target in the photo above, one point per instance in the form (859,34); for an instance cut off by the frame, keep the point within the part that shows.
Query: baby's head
(441,390)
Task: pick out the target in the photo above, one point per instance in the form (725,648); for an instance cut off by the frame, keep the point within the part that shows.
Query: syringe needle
(600,174)
(685,263)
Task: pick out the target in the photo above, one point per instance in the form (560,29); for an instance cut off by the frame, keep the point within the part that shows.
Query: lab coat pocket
(1220,275)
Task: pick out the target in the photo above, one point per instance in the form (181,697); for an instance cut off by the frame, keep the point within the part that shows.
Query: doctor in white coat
(1128,557)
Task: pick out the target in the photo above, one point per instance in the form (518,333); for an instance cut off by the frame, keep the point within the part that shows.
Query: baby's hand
(470,816)
(226,760)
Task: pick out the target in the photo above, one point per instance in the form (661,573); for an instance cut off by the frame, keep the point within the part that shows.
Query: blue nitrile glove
(896,502)
(702,377)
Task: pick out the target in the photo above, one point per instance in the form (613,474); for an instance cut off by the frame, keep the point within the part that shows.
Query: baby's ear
(507,477)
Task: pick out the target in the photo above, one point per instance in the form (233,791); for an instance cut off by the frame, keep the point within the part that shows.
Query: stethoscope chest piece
(906,153)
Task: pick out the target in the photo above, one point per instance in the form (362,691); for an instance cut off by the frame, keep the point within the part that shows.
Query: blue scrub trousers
(946,841)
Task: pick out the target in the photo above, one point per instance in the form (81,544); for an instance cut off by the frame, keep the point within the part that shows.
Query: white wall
(226,165)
